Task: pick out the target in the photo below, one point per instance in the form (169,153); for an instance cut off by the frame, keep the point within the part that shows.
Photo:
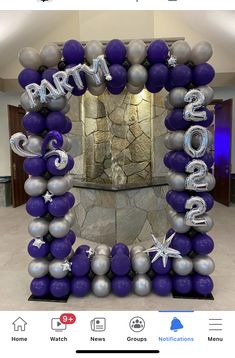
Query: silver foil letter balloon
(188,138)
(197,208)
(196,100)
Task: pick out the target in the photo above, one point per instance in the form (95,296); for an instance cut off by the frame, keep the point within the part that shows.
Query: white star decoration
(90,252)
(48,197)
(163,250)
(172,61)
(38,242)
(66,266)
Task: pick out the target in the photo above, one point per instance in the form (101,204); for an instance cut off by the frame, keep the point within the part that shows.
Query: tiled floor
(14,278)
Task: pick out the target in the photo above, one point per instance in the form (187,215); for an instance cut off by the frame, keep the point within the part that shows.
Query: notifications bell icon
(176,324)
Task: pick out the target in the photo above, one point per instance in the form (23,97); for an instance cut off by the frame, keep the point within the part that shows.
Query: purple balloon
(59,206)
(40,287)
(119,76)
(180,242)
(178,200)
(56,121)
(121,286)
(120,248)
(208,199)
(202,74)
(168,195)
(38,252)
(34,166)
(68,126)
(168,124)
(80,286)
(180,75)
(48,74)
(60,288)
(182,284)
(115,52)
(80,265)
(73,52)
(177,160)
(169,84)
(208,159)
(82,249)
(157,51)
(51,167)
(115,90)
(203,285)
(158,267)
(158,75)
(209,120)
(28,76)
(34,122)
(167,158)
(120,264)
(176,120)
(77,91)
(162,285)
(60,248)
(202,244)
(36,206)
(153,88)
(70,198)
(71,237)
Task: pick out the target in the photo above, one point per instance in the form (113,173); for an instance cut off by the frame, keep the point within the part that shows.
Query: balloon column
(181,261)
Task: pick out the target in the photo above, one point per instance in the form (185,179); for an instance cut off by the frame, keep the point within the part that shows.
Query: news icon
(98,324)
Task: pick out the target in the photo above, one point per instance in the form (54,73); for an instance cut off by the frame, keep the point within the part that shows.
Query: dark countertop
(157,181)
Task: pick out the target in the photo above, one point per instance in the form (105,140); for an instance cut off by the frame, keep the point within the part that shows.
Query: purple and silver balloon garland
(180,262)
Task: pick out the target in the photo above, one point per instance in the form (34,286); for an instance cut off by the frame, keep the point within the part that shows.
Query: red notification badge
(68,318)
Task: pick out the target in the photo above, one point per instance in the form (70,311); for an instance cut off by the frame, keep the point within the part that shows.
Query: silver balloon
(142,285)
(178,223)
(93,49)
(135,249)
(210,180)
(181,51)
(183,266)
(204,142)
(176,180)
(208,93)
(167,103)
(97,90)
(101,286)
(207,226)
(66,109)
(35,186)
(34,144)
(137,75)
(69,179)
(204,265)
(196,100)
(38,227)
(201,52)
(102,249)
(174,140)
(136,51)
(57,104)
(57,185)
(176,97)
(91,80)
(38,268)
(141,262)
(70,218)
(30,58)
(100,264)
(59,227)
(50,55)
(27,105)
(133,89)
(57,268)
(197,207)
(197,180)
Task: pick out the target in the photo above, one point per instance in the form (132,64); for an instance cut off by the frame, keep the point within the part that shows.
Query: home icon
(19,324)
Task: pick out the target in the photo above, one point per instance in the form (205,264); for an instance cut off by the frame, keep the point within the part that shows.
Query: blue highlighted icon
(176,324)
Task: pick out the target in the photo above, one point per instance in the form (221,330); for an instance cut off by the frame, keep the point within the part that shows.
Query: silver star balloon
(66,266)
(38,242)
(48,197)
(172,61)
(163,250)
(90,252)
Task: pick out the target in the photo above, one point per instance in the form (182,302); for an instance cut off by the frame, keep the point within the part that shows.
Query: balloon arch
(178,264)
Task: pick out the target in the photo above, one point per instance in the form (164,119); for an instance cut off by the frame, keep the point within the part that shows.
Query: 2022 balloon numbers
(180,261)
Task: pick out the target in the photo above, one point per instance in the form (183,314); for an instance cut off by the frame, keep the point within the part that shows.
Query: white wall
(227,93)
(5,99)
